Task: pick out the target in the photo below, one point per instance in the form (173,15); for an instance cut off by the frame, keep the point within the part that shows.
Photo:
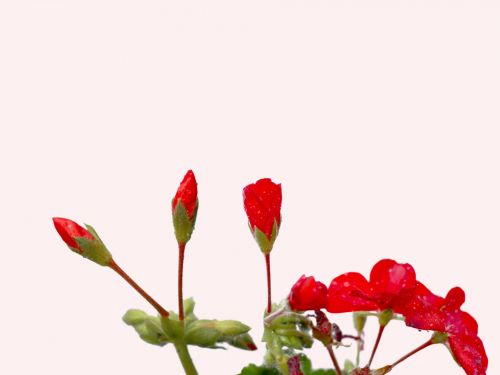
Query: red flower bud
(262,202)
(85,242)
(69,230)
(307,294)
(187,193)
(185,207)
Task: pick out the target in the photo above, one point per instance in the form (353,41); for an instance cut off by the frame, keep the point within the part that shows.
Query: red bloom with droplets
(69,230)
(262,202)
(430,312)
(187,193)
(391,285)
(307,294)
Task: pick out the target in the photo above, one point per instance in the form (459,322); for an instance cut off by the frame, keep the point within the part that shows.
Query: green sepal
(439,337)
(359,320)
(265,244)
(183,225)
(94,249)
(384,317)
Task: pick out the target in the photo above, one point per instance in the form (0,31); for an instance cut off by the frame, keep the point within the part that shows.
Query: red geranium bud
(69,230)
(187,193)
(83,241)
(185,207)
(307,294)
(262,202)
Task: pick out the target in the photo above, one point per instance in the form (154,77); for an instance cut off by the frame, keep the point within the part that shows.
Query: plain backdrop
(379,118)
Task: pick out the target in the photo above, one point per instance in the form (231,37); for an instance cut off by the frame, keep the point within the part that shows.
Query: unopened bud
(202,333)
(83,241)
(243,341)
(231,327)
(185,208)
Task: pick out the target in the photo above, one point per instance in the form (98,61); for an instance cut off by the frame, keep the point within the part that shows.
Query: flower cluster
(391,291)
(393,287)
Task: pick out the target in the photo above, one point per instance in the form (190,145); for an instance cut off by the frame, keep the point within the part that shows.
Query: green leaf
(259,370)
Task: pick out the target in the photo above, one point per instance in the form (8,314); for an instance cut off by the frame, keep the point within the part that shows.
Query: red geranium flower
(262,202)
(307,294)
(187,193)
(430,312)
(69,230)
(391,285)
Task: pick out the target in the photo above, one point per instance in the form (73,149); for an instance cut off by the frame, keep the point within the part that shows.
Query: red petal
(68,230)
(461,323)
(391,278)
(469,353)
(349,292)
(454,299)
(262,202)
(187,193)
(307,294)
(423,310)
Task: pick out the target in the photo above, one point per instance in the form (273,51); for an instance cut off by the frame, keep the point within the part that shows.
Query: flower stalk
(115,267)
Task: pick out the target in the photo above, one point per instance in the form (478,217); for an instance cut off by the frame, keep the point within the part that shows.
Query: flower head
(262,202)
(391,284)
(427,311)
(307,294)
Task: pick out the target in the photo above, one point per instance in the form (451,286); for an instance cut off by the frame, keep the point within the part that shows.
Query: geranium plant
(307,314)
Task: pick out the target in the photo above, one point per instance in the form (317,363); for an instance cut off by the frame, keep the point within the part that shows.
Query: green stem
(185,357)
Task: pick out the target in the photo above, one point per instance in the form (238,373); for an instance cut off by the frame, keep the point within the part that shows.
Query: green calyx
(359,320)
(183,225)
(265,243)
(439,337)
(94,250)
(384,317)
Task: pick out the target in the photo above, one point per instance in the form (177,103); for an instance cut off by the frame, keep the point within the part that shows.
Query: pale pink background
(380,119)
